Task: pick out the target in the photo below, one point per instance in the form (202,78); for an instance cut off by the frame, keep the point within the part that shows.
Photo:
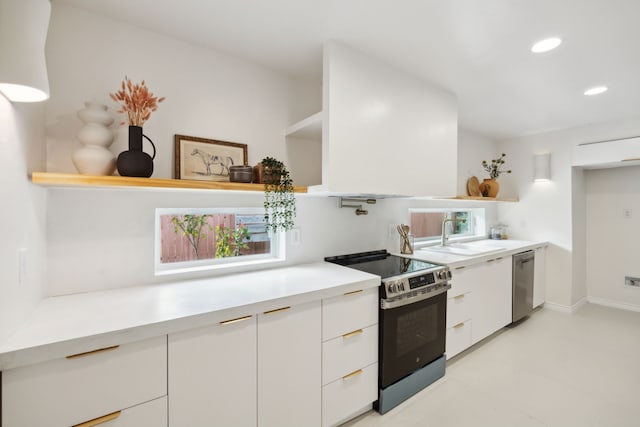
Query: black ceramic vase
(135,162)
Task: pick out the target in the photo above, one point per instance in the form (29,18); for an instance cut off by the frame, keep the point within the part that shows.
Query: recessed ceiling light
(546,45)
(596,90)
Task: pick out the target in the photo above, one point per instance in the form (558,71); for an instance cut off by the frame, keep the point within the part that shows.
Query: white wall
(472,150)
(22,215)
(208,94)
(613,241)
(555,211)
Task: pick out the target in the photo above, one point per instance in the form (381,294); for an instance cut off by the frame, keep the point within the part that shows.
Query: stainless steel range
(413,312)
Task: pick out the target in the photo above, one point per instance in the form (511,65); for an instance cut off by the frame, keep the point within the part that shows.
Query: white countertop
(72,324)
(507,248)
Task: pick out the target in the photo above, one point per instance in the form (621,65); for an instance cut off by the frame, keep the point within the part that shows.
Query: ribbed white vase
(94,158)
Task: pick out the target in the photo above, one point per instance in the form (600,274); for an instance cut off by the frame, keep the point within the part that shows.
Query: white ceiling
(477,49)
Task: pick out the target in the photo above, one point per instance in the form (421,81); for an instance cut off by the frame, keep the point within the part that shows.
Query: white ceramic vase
(94,158)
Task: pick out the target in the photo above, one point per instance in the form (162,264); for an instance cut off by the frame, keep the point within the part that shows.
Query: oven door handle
(386,304)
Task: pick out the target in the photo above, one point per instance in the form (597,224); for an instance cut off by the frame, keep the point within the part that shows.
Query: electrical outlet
(627,213)
(295,236)
(22,265)
(633,282)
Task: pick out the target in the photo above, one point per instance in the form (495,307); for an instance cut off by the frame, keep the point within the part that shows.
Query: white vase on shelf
(94,157)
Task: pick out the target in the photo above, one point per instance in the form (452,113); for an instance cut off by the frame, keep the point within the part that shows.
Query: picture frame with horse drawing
(207,159)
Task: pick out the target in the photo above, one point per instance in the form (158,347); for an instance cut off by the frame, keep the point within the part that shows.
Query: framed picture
(206,159)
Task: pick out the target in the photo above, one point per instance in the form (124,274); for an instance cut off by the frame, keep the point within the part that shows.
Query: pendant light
(23,33)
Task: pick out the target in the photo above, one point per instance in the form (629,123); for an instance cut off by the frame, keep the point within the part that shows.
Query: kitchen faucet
(444,228)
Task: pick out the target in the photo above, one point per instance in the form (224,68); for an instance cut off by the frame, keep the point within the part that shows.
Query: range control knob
(392,287)
(401,286)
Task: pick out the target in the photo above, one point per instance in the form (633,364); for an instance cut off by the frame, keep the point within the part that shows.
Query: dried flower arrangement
(136,101)
(495,168)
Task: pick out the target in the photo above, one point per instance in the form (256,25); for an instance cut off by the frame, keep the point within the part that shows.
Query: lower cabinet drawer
(458,338)
(348,353)
(348,312)
(458,308)
(70,391)
(149,414)
(349,394)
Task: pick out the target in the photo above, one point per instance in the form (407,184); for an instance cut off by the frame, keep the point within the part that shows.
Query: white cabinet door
(289,367)
(539,276)
(491,309)
(606,154)
(212,375)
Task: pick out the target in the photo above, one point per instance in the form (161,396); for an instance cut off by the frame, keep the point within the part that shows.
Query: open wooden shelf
(486,199)
(77,180)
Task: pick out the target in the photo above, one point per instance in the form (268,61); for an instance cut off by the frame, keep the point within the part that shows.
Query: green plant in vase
(279,200)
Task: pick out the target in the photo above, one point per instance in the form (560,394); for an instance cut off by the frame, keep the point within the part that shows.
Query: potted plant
(279,200)
(490,186)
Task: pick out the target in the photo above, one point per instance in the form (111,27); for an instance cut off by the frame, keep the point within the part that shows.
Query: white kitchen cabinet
(606,154)
(459,312)
(86,386)
(349,355)
(289,366)
(212,375)
(539,276)
(492,297)
(380,126)
(478,303)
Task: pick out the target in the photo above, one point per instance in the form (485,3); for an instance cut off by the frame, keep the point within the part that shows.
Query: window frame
(277,253)
(476,218)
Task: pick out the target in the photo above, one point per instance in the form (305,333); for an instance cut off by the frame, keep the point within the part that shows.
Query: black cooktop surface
(381,263)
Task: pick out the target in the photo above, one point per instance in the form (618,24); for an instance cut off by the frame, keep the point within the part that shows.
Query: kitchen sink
(463,249)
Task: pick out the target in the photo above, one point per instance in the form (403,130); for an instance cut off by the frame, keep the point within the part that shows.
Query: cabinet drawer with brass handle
(352,391)
(348,353)
(86,386)
(459,308)
(346,313)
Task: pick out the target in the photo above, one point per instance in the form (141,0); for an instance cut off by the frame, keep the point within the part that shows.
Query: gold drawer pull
(352,334)
(89,353)
(352,375)
(459,325)
(239,319)
(277,310)
(459,296)
(100,420)
(354,292)
(631,159)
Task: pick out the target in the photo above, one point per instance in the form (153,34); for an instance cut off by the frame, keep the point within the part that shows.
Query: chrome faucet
(444,228)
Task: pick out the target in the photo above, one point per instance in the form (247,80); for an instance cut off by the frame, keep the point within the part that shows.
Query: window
(196,239)
(426,224)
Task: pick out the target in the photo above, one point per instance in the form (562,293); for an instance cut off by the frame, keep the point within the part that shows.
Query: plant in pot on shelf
(138,103)
(279,200)
(490,187)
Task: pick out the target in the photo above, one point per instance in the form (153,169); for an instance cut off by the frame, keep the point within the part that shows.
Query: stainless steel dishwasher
(522,285)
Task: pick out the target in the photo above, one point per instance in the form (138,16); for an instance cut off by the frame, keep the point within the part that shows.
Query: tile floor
(553,369)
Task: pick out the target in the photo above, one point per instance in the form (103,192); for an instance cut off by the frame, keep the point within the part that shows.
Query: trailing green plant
(279,200)
(191,228)
(229,242)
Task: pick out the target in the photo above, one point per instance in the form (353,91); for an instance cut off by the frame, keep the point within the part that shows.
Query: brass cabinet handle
(354,292)
(352,375)
(352,334)
(99,420)
(459,296)
(460,268)
(89,353)
(631,159)
(236,320)
(458,326)
(277,310)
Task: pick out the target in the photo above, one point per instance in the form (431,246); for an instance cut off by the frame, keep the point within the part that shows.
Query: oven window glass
(416,329)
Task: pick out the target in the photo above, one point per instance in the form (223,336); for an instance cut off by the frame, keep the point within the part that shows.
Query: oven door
(411,336)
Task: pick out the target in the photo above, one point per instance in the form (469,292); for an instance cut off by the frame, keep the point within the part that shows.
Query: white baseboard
(570,309)
(614,304)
